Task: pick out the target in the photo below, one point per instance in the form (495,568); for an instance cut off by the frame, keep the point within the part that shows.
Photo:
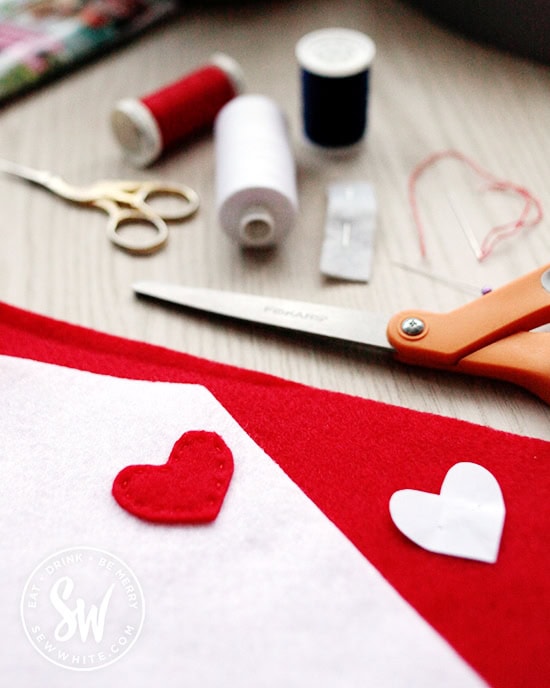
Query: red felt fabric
(349,455)
(189,488)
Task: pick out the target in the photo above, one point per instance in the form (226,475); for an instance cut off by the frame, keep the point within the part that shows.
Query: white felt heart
(465,520)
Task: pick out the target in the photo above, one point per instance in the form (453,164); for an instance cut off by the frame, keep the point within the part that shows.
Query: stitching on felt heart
(188,489)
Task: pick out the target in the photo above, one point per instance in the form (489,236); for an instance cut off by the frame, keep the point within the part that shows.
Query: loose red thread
(526,218)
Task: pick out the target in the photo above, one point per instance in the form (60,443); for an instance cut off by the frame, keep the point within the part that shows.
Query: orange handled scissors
(125,202)
(492,336)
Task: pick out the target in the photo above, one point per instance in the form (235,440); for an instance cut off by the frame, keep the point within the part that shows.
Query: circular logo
(82,608)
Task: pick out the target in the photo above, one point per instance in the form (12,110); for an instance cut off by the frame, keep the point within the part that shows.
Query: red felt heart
(189,488)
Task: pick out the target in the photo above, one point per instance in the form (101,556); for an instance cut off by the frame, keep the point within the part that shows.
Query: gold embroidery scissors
(125,202)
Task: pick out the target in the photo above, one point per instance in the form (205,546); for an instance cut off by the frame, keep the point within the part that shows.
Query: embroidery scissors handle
(130,202)
(125,202)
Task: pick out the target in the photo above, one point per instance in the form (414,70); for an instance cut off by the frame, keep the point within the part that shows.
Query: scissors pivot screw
(413,327)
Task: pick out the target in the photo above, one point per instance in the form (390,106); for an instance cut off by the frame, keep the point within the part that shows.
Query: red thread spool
(147,126)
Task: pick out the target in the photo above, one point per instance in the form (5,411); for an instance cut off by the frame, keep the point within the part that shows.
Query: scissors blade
(350,326)
(41,177)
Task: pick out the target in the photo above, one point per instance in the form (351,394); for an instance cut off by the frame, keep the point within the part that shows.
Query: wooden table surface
(431,90)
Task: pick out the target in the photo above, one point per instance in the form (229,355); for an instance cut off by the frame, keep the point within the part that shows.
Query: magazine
(41,38)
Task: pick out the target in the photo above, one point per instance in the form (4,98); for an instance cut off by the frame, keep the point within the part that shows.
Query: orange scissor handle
(522,358)
(489,336)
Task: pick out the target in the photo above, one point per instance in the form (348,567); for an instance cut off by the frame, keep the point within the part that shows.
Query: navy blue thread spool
(335,66)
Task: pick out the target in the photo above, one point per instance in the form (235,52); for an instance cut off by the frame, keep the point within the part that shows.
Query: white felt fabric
(270,594)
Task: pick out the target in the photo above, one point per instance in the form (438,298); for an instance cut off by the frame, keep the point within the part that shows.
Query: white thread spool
(256,197)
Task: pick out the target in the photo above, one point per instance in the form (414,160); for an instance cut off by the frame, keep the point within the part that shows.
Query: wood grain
(431,90)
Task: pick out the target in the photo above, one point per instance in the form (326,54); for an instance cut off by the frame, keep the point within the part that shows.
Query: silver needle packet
(350,228)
